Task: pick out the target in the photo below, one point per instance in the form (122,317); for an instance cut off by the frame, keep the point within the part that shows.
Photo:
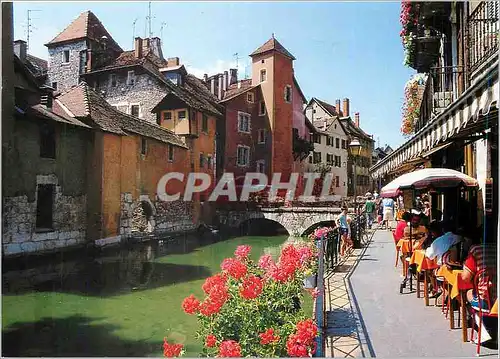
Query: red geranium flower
(295,347)
(190,304)
(229,349)
(307,331)
(266,261)
(215,281)
(234,268)
(171,350)
(268,337)
(242,252)
(210,341)
(251,287)
(210,306)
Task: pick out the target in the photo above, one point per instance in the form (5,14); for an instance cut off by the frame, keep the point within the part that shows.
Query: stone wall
(146,92)
(65,74)
(165,217)
(19,222)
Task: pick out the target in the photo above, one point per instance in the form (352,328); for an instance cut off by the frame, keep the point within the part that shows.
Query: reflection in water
(112,271)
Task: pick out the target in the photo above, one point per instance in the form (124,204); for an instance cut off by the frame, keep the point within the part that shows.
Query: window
(288,93)
(130,78)
(209,161)
(144,146)
(202,160)
(204,123)
(65,56)
(329,141)
(54,86)
(317,157)
(112,80)
(44,206)
(181,115)
(314,111)
(261,166)
(243,122)
(262,108)
(134,110)
(337,181)
(170,152)
(338,161)
(262,61)
(317,138)
(243,156)
(310,159)
(167,116)
(261,136)
(250,97)
(329,159)
(263,75)
(47,141)
(337,142)
(344,144)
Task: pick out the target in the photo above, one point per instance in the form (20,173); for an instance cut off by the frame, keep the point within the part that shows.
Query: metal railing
(482,33)
(320,299)
(444,85)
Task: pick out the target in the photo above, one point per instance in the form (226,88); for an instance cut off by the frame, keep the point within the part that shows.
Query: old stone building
(45,186)
(122,194)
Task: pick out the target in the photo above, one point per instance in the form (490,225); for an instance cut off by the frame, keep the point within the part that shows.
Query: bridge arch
(262,226)
(312,228)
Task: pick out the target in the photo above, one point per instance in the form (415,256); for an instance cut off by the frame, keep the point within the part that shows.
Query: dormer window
(174,77)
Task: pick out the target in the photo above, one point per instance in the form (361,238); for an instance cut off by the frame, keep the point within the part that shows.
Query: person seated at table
(434,230)
(418,231)
(400,227)
(442,244)
(481,256)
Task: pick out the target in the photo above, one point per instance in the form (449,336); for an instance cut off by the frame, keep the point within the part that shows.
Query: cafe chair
(486,299)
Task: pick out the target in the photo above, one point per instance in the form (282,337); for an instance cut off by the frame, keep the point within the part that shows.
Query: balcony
(482,36)
(444,85)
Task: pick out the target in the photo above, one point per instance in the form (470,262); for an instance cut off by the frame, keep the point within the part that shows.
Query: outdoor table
(494,309)
(404,249)
(424,264)
(458,286)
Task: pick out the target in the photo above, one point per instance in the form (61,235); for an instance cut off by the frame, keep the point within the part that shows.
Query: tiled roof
(55,115)
(332,110)
(86,25)
(39,66)
(272,45)
(233,90)
(352,129)
(127,58)
(84,102)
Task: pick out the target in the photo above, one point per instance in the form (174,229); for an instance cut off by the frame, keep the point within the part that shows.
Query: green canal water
(117,302)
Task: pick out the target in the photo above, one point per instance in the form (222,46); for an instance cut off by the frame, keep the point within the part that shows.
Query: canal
(119,301)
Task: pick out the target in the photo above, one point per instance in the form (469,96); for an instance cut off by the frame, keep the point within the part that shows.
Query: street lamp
(355,147)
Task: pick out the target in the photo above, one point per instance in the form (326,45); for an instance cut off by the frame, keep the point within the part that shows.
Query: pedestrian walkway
(367,316)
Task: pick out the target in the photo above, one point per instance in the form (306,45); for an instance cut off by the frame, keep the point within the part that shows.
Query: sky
(342,49)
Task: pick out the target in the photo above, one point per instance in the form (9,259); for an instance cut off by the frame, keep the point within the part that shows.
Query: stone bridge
(296,220)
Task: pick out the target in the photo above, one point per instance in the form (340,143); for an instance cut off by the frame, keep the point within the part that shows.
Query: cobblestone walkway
(344,335)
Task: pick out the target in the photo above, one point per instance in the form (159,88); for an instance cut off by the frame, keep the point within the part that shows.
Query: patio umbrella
(427,177)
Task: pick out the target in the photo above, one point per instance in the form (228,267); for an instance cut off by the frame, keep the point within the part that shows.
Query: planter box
(310,282)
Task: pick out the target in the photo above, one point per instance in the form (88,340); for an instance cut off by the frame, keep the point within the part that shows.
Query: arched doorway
(143,217)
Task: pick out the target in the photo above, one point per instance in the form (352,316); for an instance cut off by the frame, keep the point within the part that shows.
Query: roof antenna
(133,32)
(272,35)
(163,24)
(236,58)
(29,26)
(149,20)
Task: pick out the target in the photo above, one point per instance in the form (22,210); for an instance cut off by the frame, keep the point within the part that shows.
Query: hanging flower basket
(411,106)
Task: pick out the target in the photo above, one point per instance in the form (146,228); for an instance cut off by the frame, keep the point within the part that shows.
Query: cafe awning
(464,113)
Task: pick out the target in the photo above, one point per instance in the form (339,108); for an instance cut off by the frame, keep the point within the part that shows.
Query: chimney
(219,92)
(46,100)
(212,85)
(205,78)
(346,107)
(233,76)
(145,46)
(337,106)
(226,80)
(324,125)
(20,49)
(138,47)
(356,119)
(155,46)
(172,61)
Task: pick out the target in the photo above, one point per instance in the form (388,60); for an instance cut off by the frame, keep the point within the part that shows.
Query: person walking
(388,204)
(370,212)
(344,228)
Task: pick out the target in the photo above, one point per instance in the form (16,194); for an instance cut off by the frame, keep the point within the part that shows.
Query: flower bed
(412,103)
(253,309)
